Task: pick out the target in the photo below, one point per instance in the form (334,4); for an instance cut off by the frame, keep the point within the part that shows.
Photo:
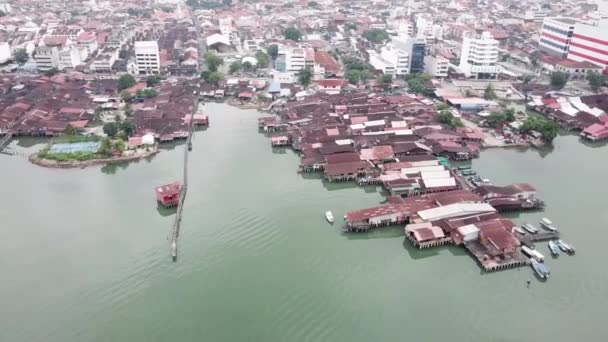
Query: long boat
(533,253)
(566,247)
(547,224)
(554,248)
(541,269)
(519,230)
(530,228)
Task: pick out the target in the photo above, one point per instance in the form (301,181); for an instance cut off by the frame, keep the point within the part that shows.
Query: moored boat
(530,228)
(554,248)
(329,216)
(547,224)
(565,247)
(533,253)
(541,269)
(519,230)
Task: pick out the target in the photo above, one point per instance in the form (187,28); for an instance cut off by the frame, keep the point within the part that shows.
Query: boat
(465,167)
(547,224)
(329,216)
(554,248)
(530,228)
(533,253)
(468,172)
(519,230)
(565,247)
(541,269)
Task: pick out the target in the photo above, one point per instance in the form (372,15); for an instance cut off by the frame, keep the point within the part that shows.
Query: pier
(529,239)
(5,141)
(184,188)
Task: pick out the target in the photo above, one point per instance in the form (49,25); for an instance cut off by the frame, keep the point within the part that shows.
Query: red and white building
(576,41)
(589,43)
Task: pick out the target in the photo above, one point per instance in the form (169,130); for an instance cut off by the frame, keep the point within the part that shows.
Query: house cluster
(99,37)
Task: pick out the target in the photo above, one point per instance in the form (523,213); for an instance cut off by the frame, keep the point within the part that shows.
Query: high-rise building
(479,57)
(147,57)
(417,50)
(555,36)
(436,66)
(590,43)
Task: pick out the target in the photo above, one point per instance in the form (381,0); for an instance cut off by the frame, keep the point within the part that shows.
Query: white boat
(533,253)
(547,224)
(565,247)
(530,228)
(541,269)
(554,248)
(329,216)
(519,230)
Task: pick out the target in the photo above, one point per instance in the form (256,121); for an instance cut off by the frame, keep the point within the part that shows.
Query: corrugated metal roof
(456,209)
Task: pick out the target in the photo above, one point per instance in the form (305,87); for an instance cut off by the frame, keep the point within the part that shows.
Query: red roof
(331,83)
(327,61)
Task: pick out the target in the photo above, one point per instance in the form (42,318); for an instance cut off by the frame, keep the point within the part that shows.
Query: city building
(147,57)
(479,57)
(436,66)
(555,36)
(589,43)
(46,57)
(416,47)
(5,52)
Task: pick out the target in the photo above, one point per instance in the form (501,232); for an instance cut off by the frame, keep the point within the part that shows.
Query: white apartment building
(105,60)
(5,52)
(399,58)
(147,57)
(69,57)
(295,59)
(436,66)
(46,57)
(380,64)
(479,57)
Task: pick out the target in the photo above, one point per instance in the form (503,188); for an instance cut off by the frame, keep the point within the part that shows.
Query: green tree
(304,77)
(70,130)
(442,106)
(128,111)
(125,95)
(273,51)
(596,80)
(125,81)
(21,56)
(127,127)
(214,77)
(559,79)
(352,76)
(262,59)
(446,117)
(386,81)
(110,129)
(105,147)
(247,66)
(548,129)
(51,72)
(213,61)
(235,67)
(293,33)
(489,93)
(153,80)
(119,145)
(375,35)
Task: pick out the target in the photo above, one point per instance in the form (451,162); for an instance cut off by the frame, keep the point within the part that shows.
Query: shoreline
(73,164)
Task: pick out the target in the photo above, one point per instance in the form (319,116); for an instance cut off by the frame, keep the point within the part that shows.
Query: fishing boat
(519,230)
(547,224)
(464,167)
(554,248)
(468,172)
(329,216)
(565,247)
(541,269)
(530,228)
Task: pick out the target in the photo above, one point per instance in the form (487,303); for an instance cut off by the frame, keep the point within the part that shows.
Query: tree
(213,61)
(235,67)
(128,111)
(559,79)
(51,72)
(70,130)
(247,66)
(128,127)
(119,145)
(125,81)
(147,93)
(375,35)
(548,129)
(153,80)
(442,106)
(313,4)
(386,81)
(110,129)
(446,117)
(125,95)
(106,147)
(273,51)
(352,76)
(262,59)
(293,33)
(489,93)
(304,77)
(21,56)
(596,80)
(214,77)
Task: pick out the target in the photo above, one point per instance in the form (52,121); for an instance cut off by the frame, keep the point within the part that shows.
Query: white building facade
(479,57)
(147,57)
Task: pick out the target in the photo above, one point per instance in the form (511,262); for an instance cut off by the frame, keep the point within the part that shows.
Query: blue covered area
(92,146)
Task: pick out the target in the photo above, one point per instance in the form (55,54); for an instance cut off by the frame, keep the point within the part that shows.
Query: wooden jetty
(529,239)
(491,264)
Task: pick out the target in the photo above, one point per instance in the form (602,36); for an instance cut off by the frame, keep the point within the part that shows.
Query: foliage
(213,61)
(119,145)
(496,119)
(416,82)
(442,106)
(355,76)
(235,67)
(489,93)
(247,66)
(354,64)
(213,77)
(51,72)
(106,147)
(21,56)
(125,81)
(596,80)
(147,93)
(110,129)
(351,26)
(293,33)
(123,54)
(128,110)
(70,130)
(313,4)
(153,80)
(559,79)
(304,77)
(262,59)
(446,117)
(547,128)
(288,5)
(385,81)
(125,95)
(375,35)
(273,51)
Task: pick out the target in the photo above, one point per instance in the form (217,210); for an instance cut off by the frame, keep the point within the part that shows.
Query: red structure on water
(168,195)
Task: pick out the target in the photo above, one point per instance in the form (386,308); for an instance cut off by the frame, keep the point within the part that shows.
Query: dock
(529,239)
(5,141)
(491,264)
